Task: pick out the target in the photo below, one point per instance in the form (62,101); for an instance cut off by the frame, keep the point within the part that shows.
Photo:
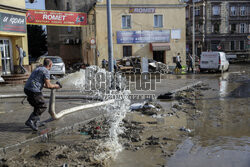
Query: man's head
(17,46)
(47,63)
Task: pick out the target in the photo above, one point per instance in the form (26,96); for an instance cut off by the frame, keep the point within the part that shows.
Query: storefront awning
(160,46)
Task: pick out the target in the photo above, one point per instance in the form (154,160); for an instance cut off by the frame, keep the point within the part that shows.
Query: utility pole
(110,37)
(193,35)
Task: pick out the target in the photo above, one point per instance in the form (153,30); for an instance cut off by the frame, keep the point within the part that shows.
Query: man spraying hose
(38,79)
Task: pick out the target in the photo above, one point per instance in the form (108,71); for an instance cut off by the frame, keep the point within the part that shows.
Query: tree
(37,40)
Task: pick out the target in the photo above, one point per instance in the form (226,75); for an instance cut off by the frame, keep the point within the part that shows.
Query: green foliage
(37,40)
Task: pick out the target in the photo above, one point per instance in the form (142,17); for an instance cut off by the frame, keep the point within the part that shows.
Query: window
(243,28)
(216,10)
(187,13)
(232,45)
(215,45)
(242,45)
(233,11)
(126,21)
(158,21)
(216,28)
(197,11)
(69,29)
(127,51)
(233,28)
(243,11)
(68,8)
(198,27)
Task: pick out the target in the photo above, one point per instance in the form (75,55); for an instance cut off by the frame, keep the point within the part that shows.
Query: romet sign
(56,18)
(53,17)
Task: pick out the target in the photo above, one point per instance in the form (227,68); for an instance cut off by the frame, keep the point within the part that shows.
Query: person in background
(115,65)
(178,61)
(190,62)
(20,58)
(104,63)
(38,79)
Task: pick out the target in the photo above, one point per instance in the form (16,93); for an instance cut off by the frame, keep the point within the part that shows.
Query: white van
(213,61)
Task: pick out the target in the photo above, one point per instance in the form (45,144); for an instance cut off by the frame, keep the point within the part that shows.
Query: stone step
(15,78)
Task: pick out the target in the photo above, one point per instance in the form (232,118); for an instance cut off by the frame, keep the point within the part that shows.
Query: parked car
(58,67)
(213,61)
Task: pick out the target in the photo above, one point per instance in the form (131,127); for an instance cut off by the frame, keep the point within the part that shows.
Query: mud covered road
(207,125)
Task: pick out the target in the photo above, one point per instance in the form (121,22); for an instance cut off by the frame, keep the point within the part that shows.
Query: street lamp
(193,49)
(110,40)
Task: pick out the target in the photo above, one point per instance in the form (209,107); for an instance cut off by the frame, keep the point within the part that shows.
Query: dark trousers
(37,101)
(178,65)
(190,65)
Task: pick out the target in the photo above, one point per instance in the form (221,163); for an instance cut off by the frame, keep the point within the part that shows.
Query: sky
(38,4)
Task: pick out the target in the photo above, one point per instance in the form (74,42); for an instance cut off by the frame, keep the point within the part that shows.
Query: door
(159,56)
(6,56)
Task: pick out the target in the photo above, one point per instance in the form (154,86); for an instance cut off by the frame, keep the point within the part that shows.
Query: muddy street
(218,122)
(222,135)
(206,124)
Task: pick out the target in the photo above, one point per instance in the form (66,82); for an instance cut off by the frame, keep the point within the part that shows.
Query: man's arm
(49,85)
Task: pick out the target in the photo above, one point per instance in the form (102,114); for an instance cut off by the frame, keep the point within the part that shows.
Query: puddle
(222,135)
(233,153)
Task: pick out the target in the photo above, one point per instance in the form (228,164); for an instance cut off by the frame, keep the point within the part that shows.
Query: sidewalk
(13,114)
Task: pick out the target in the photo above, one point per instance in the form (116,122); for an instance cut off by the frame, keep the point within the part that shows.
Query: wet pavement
(222,135)
(13,114)
(219,124)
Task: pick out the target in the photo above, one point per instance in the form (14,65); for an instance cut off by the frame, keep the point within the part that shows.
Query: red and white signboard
(56,18)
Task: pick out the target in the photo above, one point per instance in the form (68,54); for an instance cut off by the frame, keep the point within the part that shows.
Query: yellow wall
(142,2)
(16,38)
(173,18)
(13,3)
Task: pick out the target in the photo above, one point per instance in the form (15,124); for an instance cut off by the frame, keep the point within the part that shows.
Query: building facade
(12,32)
(152,29)
(66,41)
(221,25)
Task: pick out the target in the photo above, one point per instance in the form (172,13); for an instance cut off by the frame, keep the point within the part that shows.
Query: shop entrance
(159,56)
(6,55)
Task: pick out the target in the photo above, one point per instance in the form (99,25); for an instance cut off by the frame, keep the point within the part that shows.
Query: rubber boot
(31,122)
(38,123)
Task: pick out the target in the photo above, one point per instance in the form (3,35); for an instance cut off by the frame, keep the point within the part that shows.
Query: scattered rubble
(80,147)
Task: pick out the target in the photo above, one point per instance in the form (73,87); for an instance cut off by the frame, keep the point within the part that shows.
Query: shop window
(158,21)
(126,21)
(127,51)
(216,10)
(243,11)
(232,11)
(242,45)
(232,45)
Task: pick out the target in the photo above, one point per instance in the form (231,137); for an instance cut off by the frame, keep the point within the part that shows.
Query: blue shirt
(37,78)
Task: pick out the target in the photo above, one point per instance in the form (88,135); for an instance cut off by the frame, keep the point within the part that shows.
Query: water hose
(57,97)
(56,116)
